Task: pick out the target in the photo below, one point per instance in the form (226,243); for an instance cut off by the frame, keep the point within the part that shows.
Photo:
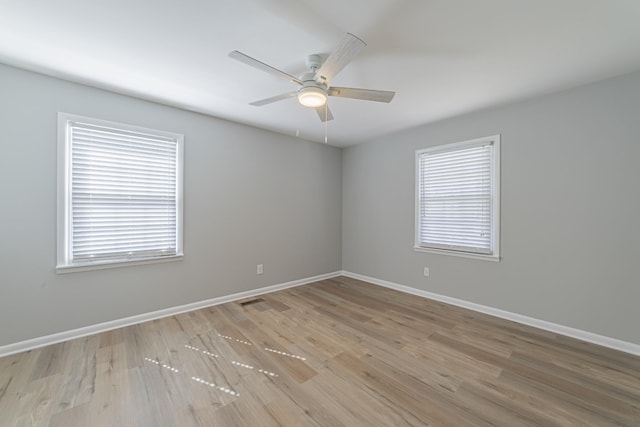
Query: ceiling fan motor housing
(313,62)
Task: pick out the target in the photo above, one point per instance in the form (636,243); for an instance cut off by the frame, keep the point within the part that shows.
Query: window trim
(63,263)
(495,226)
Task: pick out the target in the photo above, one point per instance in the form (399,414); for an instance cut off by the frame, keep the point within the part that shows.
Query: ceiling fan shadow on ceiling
(314,84)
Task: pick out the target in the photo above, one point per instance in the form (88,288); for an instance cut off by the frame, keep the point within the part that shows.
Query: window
(458,198)
(119,194)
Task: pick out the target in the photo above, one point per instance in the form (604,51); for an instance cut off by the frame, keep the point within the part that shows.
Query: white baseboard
(602,340)
(21,346)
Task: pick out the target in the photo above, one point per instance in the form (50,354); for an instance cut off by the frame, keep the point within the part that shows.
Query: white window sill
(64,269)
(482,257)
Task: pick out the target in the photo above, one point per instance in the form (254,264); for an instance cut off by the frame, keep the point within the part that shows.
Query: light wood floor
(334,353)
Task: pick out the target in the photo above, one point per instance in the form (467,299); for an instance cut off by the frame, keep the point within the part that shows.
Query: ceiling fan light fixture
(312,96)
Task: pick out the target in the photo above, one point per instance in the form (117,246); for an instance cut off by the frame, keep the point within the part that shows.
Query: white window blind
(457,197)
(123,194)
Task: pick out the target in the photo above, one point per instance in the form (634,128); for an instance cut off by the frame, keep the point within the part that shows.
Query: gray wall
(570,210)
(251,197)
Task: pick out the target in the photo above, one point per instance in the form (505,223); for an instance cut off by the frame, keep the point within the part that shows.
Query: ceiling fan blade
(349,47)
(365,94)
(324,113)
(273,99)
(239,56)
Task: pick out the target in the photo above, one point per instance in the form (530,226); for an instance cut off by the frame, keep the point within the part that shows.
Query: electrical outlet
(259,269)
(426,272)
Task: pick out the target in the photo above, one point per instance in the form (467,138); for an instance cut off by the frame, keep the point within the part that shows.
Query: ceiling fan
(314,84)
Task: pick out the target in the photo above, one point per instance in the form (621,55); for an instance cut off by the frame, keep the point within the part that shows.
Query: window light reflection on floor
(156,362)
(197,379)
(190,347)
(217,387)
(262,371)
(282,353)
(235,339)
(233,362)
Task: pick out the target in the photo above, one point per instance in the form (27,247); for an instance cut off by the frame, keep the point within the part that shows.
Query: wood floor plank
(574,406)
(605,402)
(338,352)
(427,408)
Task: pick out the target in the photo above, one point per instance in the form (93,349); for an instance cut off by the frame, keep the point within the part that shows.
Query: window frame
(495,189)
(64,263)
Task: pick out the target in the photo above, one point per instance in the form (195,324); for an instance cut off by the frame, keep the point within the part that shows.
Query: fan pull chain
(326,120)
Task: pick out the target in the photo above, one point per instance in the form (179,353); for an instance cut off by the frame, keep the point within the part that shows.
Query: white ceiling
(442,57)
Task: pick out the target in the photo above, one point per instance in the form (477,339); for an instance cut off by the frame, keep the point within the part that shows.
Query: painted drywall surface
(570,209)
(251,197)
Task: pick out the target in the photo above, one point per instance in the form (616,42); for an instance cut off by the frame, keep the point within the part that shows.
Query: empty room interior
(449,239)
